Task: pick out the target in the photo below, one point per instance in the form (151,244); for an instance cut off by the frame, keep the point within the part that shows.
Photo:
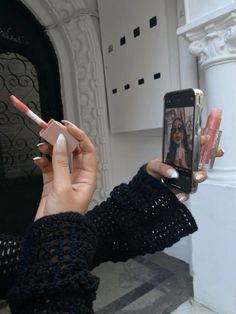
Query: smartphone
(182,135)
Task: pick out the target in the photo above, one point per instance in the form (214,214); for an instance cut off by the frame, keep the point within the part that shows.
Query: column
(213,41)
(215,46)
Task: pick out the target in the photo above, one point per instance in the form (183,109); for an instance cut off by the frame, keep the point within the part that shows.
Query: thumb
(60,164)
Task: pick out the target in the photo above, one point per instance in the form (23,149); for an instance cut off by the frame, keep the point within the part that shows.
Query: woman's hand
(180,159)
(66,190)
(157,169)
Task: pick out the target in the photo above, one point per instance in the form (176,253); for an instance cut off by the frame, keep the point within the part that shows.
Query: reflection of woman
(179,152)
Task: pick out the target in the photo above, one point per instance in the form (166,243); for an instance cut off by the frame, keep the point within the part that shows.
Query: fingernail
(61,143)
(200,177)
(40,144)
(172,174)
(182,198)
(36,158)
(222,151)
(67,122)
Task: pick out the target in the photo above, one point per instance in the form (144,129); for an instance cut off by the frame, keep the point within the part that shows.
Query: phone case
(197,134)
(185,182)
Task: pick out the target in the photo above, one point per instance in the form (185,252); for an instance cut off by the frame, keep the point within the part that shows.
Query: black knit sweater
(48,270)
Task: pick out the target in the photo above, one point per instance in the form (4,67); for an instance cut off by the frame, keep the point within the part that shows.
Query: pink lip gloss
(23,108)
(51,130)
(211,129)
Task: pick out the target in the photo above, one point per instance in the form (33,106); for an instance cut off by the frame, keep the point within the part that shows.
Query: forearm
(53,275)
(9,259)
(141,217)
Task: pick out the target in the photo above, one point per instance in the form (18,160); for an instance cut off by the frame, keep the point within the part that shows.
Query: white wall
(131,150)
(196,9)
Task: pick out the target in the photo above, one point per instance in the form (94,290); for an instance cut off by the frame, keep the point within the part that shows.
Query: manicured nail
(200,177)
(222,151)
(181,197)
(67,122)
(40,144)
(61,143)
(172,174)
(36,158)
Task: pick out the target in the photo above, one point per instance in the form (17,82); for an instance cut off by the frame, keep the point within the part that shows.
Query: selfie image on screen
(178,136)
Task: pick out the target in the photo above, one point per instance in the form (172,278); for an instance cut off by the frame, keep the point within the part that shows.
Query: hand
(66,190)
(180,159)
(157,169)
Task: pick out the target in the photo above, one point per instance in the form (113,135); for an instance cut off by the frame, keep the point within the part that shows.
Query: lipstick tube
(208,151)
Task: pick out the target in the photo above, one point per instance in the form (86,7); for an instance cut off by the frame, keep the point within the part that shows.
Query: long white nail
(200,177)
(36,158)
(61,143)
(182,198)
(172,174)
(40,144)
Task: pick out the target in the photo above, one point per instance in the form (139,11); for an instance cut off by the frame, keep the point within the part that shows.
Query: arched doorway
(28,69)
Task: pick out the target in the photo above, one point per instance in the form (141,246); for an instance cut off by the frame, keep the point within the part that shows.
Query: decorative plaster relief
(214,42)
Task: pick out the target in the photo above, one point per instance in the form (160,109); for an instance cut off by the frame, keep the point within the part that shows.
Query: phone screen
(178,136)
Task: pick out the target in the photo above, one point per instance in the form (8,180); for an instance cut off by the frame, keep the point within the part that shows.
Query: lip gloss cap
(51,133)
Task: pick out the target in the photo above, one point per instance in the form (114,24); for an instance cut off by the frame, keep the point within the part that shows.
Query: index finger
(85,143)
(218,152)
(85,156)
(60,164)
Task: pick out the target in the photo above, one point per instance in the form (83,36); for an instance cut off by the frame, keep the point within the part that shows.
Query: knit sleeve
(53,274)
(140,217)
(9,259)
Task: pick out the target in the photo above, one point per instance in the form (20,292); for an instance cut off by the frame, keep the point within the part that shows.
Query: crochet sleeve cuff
(53,275)
(164,218)
(140,217)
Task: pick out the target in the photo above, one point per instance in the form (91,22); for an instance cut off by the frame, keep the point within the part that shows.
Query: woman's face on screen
(177,131)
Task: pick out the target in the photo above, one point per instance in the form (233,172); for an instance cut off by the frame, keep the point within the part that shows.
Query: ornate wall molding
(214,42)
(76,43)
(75,15)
